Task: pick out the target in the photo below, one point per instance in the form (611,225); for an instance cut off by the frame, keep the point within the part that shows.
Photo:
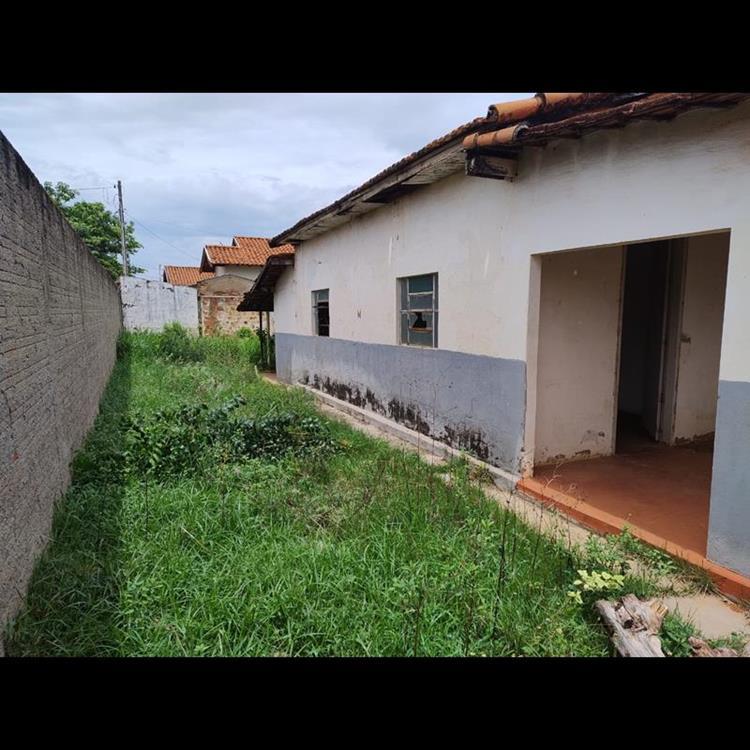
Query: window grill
(419,310)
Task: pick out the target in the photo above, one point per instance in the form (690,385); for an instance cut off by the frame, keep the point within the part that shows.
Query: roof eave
(548,117)
(260,296)
(621,111)
(206,265)
(441,162)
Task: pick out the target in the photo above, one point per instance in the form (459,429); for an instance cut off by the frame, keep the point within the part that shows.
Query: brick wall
(59,321)
(220,315)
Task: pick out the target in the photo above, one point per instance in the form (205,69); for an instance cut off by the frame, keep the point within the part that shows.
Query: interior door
(655,343)
(673,329)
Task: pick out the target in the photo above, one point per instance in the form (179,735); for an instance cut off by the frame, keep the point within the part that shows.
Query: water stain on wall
(459,436)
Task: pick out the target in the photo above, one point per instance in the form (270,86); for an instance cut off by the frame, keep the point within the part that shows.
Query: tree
(99,228)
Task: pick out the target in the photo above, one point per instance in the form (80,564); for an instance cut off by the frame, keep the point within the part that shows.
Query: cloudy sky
(200,168)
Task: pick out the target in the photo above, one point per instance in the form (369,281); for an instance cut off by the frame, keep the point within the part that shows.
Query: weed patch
(212,513)
(674,635)
(186,439)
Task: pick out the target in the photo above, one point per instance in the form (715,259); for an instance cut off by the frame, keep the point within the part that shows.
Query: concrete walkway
(714,615)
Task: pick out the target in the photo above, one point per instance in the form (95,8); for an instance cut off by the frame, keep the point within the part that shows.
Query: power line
(182,226)
(150,231)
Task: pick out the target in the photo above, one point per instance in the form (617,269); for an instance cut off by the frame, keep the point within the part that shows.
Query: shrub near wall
(59,321)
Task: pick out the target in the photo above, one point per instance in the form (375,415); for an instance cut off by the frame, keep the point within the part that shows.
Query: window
(320,312)
(419,310)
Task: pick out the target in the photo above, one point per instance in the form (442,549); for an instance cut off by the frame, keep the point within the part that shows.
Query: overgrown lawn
(337,544)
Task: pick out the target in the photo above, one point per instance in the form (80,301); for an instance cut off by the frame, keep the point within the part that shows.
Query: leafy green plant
(660,562)
(182,440)
(595,583)
(98,227)
(178,345)
(736,641)
(605,553)
(674,635)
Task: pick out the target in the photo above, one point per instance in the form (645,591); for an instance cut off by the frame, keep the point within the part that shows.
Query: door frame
(669,359)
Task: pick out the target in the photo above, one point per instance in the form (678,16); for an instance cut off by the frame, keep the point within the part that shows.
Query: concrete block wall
(59,322)
(150,305)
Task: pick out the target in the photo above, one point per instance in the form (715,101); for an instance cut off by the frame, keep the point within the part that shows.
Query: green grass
(363,552)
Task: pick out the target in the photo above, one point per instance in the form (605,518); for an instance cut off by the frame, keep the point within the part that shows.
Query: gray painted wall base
(729,519)
(501,478)
(470,402)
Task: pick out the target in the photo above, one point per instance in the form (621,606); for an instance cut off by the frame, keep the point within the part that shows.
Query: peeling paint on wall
(470,402)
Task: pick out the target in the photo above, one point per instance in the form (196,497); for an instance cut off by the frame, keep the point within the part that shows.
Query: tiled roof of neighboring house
(506,128)
(245,251)
(185,275)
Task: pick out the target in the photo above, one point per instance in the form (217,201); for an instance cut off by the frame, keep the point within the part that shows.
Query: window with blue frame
(419,310)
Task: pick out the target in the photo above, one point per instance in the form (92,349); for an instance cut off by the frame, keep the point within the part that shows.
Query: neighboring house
(226,273)
(561,288)
(234,267)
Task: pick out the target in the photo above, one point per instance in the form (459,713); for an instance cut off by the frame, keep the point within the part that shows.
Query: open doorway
(670,341)
(645,328)
(627,372)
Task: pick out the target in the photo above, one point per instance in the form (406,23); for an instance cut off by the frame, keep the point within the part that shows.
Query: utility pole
(122,231)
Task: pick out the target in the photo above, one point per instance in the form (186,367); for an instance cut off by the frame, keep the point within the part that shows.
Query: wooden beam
(493,167)
(634,625)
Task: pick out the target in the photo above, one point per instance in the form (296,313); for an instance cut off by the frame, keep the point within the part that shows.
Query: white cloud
(200,168)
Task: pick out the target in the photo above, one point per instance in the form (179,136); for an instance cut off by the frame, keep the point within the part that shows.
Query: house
(225,274)
(562,288)
(235,267)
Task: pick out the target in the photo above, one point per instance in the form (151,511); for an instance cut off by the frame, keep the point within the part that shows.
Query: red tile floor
(662,489)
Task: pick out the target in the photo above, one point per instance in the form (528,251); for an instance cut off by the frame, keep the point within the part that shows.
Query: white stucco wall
(150,305)
(702,315)
(578,353)
(247,272)
(648,180)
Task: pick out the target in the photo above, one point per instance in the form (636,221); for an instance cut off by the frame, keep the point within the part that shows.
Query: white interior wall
(579,318)
(700,345)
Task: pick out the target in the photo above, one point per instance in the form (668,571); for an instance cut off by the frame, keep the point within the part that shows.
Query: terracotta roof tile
(593,112)
(244,251)
(536,120)
(185,275)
